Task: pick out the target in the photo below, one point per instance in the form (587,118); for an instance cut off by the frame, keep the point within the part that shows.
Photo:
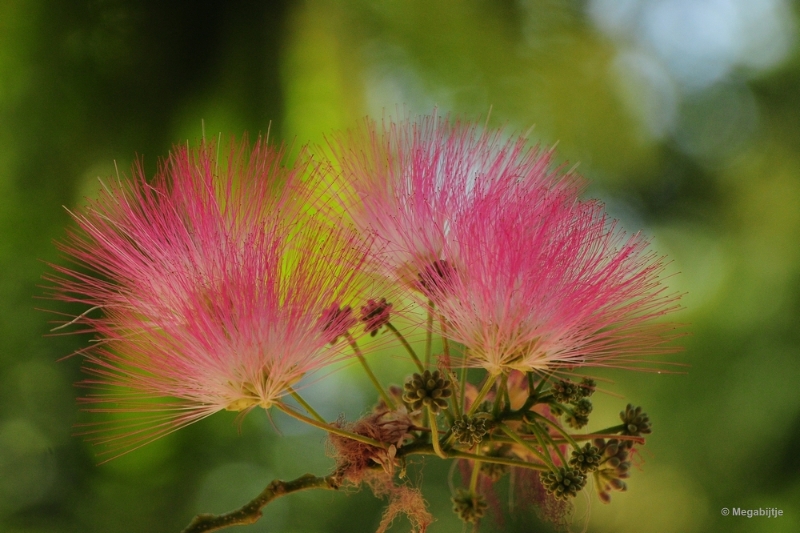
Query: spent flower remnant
(215,293)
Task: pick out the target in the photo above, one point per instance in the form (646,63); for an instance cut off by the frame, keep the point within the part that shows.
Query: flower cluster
(225,281)
(215,294)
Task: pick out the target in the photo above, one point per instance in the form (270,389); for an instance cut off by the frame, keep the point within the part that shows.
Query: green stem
(497,460)
(445,342)
(429,335)
(541,384)
(558,429)
(329,428)
(541,435)
(545,459)
(490,381)
(435,434)
(533,393)
(581,437)
(427,449)
(448,438)
(500,395)
(476,469)
(446,351)
(546,398)
(306,406)
(463,386)
(407,346)
(251,511)
(612,429)
(456,406)
(387,400)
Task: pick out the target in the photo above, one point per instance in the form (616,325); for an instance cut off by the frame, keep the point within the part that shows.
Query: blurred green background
(684,114)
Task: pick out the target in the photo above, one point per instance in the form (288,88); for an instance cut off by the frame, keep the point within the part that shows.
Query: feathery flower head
(543,281)
(522,273)
(411,181)
(216,291)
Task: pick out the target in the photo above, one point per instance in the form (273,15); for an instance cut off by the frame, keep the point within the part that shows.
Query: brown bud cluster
(428,389)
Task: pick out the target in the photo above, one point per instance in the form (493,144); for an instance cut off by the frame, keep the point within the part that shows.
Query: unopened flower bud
(587,387)
(565,391)
(469,430)
(336,321)
(583,407)
(611,448)
(469,506)
(586,459)
(564,483)
(375,315)
(618,484)
(494,471)
(636,422)
(429,389)
(577,421)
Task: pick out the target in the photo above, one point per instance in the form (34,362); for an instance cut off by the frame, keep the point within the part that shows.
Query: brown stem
(250,512)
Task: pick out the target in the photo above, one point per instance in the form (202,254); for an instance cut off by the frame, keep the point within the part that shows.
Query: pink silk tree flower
(216,291)
(411,181)
(543,282)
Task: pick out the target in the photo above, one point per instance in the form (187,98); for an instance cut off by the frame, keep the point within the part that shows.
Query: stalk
(490,381)
(429,335)
(329,428)
(310,410)
(407,346)
(508,431)
(389,403)
(435,435)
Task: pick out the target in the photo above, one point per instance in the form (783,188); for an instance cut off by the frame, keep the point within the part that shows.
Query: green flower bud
(636,422)
(428,389)
(586,459)
(469,506)
(469,430)
(565,391)
(587,387)
(564,483)
(583,407)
